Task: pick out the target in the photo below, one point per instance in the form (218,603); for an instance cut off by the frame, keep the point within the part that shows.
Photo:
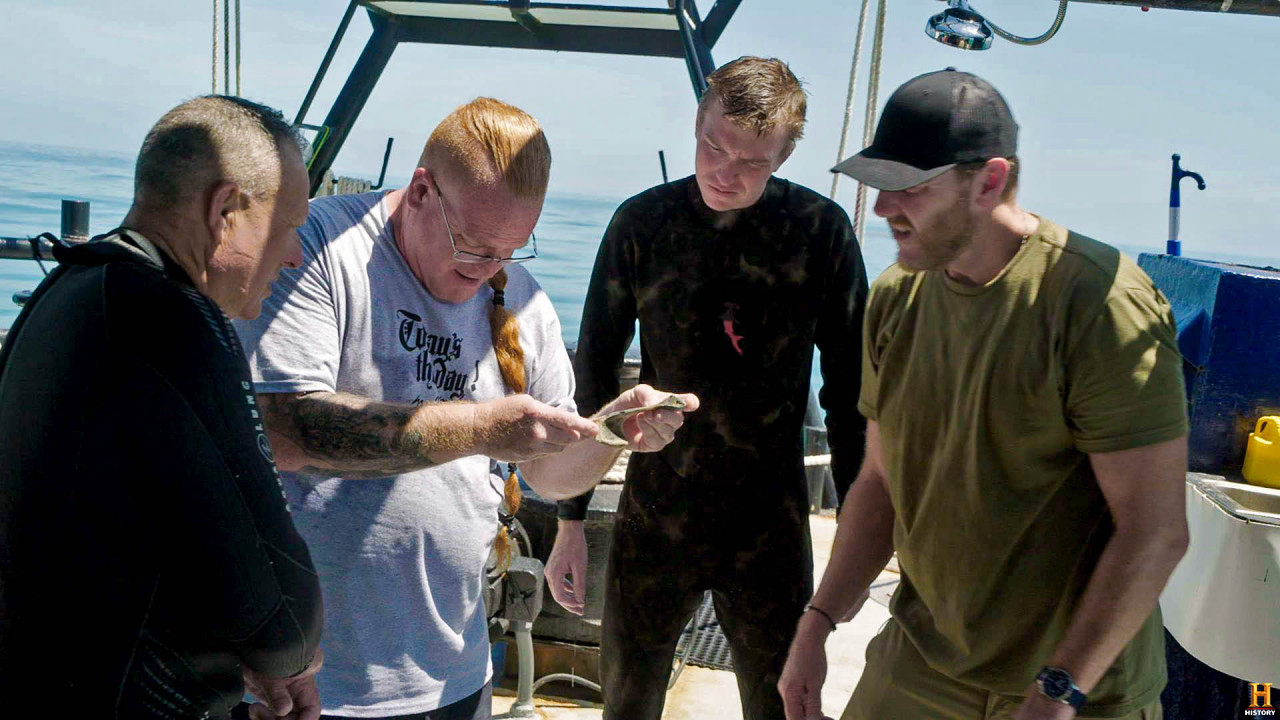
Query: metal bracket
(520,13)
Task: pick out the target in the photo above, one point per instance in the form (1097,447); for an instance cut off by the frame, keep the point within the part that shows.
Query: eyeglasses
(463,256)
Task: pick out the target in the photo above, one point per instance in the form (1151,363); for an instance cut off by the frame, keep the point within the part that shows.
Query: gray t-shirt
(401,559)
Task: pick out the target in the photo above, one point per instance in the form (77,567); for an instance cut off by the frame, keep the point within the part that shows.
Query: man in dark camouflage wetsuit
(735,276)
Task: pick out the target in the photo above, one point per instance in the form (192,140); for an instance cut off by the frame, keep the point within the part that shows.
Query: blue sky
(1102,106)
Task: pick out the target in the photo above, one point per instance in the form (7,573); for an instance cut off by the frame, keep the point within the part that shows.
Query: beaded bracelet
(823,613)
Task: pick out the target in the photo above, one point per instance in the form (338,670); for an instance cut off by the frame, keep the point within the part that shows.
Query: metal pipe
(696,56)
(351,99)
(565,677)
(324,64)
(75,220)
(12,248)
(386,157)
(1236,7)
(523,707)
(1039,39)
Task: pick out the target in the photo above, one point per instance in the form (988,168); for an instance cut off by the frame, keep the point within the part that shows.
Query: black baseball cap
(931,124)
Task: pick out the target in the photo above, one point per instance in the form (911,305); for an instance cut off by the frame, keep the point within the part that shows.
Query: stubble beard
(942,240)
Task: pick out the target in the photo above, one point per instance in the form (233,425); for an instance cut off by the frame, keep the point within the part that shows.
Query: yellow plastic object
(1262,455)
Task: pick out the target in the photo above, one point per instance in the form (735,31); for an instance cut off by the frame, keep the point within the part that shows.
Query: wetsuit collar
(122,243)
(137,242)
(774,190)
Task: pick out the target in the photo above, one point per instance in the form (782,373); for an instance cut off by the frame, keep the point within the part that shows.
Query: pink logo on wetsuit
(728,317)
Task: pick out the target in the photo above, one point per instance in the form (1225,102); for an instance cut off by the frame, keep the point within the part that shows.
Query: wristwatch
(1057,685)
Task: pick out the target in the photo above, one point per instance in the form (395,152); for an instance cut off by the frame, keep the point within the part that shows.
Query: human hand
(1039,707)
(292,698)
(567,566)
(517,428)
(805,671)
(649,431)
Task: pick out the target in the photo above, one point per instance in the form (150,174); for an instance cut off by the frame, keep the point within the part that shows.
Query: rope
(848,103)
(214,60)
(237,48)
(226,47)
(869,120)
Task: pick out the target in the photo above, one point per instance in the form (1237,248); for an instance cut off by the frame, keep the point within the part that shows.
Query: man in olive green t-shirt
(1026,445)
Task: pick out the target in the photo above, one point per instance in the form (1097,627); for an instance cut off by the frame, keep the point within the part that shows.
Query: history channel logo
(1260,701)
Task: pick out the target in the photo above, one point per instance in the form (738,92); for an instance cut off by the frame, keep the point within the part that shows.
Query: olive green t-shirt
(989,400)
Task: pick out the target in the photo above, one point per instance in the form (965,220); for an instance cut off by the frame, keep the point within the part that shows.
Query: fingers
(307,700)
(566,566)
(691,401)
(574,600)
(570,423)
(577,581)
(792,701)
(813,705)
(799,702)
(645,395)
(652,430)
(560,587)
(554,430)
(258,711)
(278,697)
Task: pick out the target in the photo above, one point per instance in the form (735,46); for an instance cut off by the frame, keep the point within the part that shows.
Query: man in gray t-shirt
(386,398)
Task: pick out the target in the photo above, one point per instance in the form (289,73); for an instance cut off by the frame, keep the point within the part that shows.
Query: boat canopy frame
(677,31)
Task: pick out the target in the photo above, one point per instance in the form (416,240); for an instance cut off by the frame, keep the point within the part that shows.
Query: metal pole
(75,220)
(324,64)
(523,707)
(351,99)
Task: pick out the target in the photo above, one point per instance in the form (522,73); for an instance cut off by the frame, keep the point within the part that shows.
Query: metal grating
(704,640)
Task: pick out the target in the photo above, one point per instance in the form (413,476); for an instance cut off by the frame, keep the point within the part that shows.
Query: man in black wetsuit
(148,565)
(735,276)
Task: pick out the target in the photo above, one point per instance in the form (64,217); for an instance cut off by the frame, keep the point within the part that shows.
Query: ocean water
(34,179)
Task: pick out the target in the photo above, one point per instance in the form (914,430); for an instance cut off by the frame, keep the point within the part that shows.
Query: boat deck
(700,693)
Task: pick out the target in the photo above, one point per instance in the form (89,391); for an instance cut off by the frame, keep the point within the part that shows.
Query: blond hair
(758,94)
(492,142)
(506,347)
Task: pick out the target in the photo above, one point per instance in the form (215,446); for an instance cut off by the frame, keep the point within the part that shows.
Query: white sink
(1222,602)
(1249,502)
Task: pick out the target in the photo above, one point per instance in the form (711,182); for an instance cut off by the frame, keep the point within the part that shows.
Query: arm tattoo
(351,435)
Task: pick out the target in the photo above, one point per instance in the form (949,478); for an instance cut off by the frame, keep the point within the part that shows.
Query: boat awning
(547,26)
(675,31)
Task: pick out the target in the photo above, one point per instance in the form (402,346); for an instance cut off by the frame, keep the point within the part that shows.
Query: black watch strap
(1058,685)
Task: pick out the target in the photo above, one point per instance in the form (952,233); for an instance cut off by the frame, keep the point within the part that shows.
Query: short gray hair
(208,140)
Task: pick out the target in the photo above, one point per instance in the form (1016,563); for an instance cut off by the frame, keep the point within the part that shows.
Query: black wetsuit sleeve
(608,326)
(839,339)
(151,556)
(246,575)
